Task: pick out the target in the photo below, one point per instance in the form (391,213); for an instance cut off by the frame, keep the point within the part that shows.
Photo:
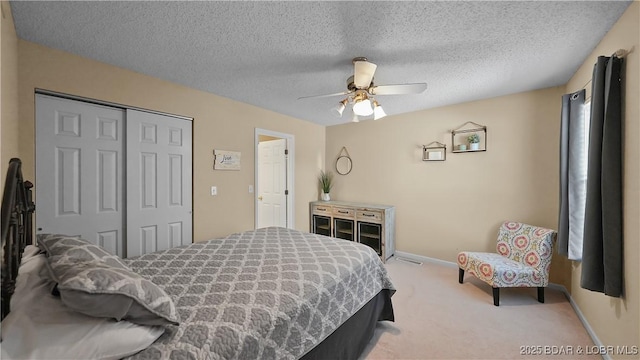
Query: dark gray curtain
(602,247)
(572,175)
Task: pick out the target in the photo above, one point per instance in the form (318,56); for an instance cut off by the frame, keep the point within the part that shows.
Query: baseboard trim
(562,288)
(424,259)
(583,320)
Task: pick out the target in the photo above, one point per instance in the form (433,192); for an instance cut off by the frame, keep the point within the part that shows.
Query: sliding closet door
(159,196)
(79,171)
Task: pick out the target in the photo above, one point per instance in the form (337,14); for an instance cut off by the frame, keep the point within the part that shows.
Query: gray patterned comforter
(271,293)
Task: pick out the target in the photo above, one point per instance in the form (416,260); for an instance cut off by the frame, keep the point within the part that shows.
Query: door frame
(290,173)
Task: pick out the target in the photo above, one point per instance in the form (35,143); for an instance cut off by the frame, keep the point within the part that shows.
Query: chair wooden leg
(496,296)
(460,275)
(541,294)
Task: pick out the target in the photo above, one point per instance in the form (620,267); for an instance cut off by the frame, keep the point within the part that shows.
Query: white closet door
(79,175)
(159,195)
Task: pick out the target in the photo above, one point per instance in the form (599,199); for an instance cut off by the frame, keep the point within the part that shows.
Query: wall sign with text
(226,160)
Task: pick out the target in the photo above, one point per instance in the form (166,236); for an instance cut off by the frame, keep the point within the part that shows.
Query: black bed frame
(17,228)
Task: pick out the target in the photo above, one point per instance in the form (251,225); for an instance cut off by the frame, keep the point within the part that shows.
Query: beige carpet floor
(438,318)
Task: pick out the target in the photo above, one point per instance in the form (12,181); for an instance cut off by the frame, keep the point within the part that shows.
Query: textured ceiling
(270,53)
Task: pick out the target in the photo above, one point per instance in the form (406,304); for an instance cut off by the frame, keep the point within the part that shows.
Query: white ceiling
(270,53)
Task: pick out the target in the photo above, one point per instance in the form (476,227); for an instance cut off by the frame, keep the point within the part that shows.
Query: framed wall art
(434,151)
(226,160)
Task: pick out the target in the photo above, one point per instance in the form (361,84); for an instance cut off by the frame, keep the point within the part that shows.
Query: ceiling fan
(361,91)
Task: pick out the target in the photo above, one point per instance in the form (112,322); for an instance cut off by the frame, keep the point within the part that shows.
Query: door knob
(260,198)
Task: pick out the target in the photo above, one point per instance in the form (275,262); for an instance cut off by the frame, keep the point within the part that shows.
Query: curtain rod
(622,52)
(585,85)
(619,53)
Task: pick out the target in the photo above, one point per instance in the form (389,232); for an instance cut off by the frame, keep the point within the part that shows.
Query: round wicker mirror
(343,165)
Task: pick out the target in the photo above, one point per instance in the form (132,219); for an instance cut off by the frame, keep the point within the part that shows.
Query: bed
(270,293)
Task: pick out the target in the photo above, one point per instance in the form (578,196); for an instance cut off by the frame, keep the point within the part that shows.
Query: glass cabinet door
(322,225)
(343,229)
(371,235)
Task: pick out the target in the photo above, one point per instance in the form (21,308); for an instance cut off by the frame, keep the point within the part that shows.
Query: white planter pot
(474,146)
(325,196)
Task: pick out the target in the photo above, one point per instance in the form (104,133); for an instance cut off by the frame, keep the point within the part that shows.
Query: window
(579,146)
(587,126)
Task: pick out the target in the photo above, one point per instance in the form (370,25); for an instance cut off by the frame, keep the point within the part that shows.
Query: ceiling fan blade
(400,89)
(363,73)
(324,96)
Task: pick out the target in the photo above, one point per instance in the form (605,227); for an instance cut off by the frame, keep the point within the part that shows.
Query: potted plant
(326,183)
(474,141)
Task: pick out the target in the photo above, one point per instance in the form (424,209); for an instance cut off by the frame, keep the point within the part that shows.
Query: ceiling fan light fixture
(339,109)
(363,72)
(362,104)
(378,111)
(361,92)
(363,108)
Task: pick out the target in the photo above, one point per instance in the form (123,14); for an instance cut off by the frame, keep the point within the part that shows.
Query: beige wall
(8,91)
(617,321)
(219,123)
(443,207)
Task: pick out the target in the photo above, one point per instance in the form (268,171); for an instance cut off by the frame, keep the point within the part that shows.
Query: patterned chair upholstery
(523,259)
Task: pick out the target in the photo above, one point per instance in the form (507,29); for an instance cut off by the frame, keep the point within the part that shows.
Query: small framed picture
(434,151)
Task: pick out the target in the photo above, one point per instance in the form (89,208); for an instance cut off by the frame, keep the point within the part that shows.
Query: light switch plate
(250,189)
(214,190)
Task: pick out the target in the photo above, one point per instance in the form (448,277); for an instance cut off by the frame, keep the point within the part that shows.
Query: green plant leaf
(326,181)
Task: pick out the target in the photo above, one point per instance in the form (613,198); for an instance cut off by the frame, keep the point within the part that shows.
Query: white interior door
(79,175)
(159,176)
(272,183)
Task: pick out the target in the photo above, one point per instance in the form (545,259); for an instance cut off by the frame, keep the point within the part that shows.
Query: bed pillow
(96,283)
(77,249)
(40,326)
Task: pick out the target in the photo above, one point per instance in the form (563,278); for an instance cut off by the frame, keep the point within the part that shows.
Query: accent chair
(523,259)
